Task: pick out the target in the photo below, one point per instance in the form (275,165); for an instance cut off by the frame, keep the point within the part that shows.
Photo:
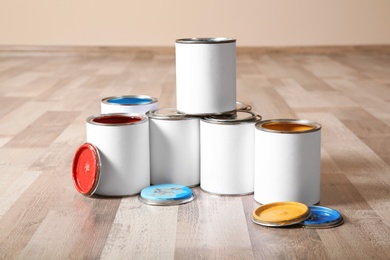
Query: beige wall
(160,22)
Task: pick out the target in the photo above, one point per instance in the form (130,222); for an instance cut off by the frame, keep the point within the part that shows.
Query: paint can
(128,104)
(205,75)
(287,161)
(174,147)
(227,153)
(122,144)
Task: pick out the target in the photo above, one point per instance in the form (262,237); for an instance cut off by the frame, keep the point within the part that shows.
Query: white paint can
(123,144)
(174,147)
(287,161)
(227,153)
(206,75)
(140,104)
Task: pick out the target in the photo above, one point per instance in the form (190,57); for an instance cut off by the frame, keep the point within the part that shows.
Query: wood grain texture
(46,95)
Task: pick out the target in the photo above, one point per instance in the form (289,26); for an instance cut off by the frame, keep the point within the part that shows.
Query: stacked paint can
(206,75)
(210,139)
(174,147)
(227,153)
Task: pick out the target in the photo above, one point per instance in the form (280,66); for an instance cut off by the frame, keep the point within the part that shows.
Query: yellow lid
(281,213)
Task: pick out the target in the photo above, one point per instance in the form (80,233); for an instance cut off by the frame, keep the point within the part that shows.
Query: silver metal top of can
(130,100)
(240,106)
(118,119)
(216,40)
(288,126)
(167,114)
(239,117)
(202,115)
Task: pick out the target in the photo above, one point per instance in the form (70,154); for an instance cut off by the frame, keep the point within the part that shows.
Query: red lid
(86,169)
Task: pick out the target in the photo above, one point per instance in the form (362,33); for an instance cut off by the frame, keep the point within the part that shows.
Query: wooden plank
(208,228)
(142,231)
(362,236)
(298,97)
(44,130)
(305,78)
(14,190)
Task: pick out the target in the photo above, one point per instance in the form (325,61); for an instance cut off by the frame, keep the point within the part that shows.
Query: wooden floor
(45,99)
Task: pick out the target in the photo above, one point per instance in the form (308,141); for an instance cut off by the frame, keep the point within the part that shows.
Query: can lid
(167,114)
(166,194)
(234,118)
(130,100)
(323,217)
(280,214)
(86,169)
(206,40)
(240,106)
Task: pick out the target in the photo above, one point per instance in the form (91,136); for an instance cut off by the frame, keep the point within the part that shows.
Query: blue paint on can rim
(166,192)
(130,100)
(322,216)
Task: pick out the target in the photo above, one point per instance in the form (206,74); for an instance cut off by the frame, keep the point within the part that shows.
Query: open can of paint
(205,75)
(128,104)
(287,161)
(174,147)
(227,153)
(121,166)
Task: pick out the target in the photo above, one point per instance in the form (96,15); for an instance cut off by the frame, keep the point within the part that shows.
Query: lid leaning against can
(166,195)
(323,217)
(280,214)
(86,169)
(239,117)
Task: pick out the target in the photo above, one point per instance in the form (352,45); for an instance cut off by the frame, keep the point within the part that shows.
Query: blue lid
(323,217)
(130,100)
(166,194)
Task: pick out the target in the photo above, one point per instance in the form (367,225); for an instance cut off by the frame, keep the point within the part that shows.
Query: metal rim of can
(139,119)
(285,208)
(336,224)
(231,119)
(202,115)
(310,125)
(107,100)
(240,106)
(227,195)
(285,224)
(167,201)
(95,176)
(168,114)
(206,40)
